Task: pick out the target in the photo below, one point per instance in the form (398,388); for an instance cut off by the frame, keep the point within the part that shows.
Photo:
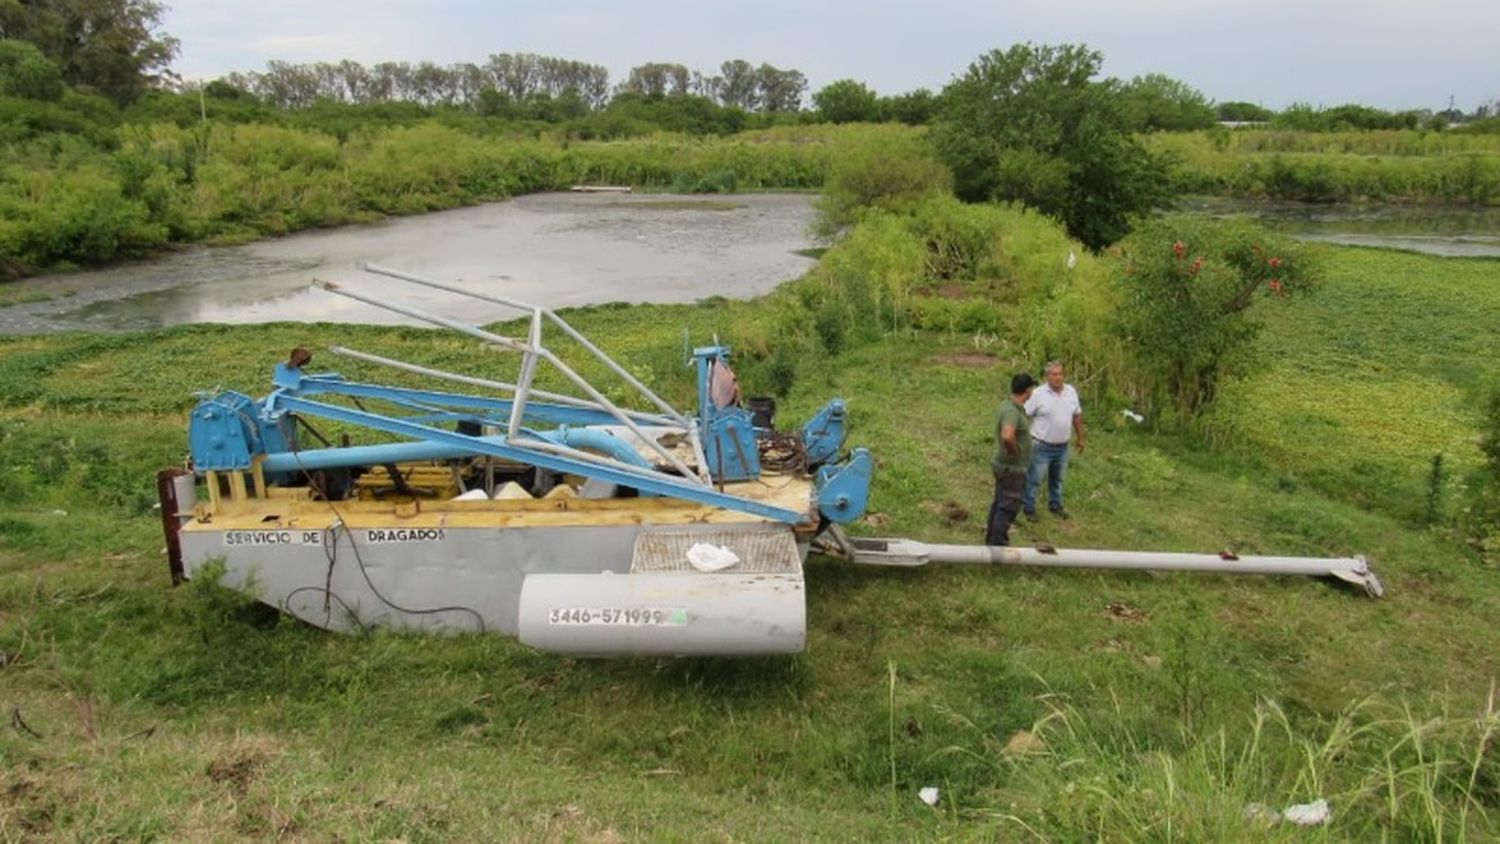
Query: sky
(1392,54)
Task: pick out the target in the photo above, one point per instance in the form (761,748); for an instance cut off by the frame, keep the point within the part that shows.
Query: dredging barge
(571,522)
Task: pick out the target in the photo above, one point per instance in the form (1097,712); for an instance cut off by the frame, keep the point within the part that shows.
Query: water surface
(557,250)
(1446,231)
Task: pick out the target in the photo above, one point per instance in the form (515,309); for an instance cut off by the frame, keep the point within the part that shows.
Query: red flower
(1197,265)
(1276,287)
(1275,263)
(1179,249)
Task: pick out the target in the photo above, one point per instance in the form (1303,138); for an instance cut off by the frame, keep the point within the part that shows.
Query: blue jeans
(1051,460)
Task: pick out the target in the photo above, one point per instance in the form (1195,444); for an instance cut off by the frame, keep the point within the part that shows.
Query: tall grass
(1396,166)
(1384,770)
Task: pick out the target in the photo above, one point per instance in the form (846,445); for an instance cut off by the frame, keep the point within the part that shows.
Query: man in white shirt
(1056,416)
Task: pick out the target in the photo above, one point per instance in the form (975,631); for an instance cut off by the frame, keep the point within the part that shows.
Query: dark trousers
(1010,485)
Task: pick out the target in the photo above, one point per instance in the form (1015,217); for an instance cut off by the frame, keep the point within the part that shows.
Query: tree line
(514,78)
(116,49)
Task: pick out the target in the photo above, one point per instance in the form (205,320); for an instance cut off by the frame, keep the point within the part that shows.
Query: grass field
(1044,705)
(1358,166)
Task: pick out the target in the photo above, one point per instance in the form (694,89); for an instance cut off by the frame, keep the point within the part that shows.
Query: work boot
(1060,513)
(1032,516)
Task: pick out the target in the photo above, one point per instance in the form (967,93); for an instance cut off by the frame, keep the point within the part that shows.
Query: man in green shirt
(1012,459)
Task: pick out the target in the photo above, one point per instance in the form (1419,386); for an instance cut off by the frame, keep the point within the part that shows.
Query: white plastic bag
(1307,814)
(707,557)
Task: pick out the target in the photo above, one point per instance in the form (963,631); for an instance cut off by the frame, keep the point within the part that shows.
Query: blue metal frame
(229,431)
(659,485)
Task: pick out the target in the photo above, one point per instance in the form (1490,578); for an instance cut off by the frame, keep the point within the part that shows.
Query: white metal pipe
(907,552)
(438,285)
(508,343)
(597,396)
(557,398)
(590,457)
(698,453)
(528,371)
(1137,560)
(619,370)
(536,341)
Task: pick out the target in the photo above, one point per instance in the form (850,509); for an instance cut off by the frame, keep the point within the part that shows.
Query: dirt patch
(1121,611)
(238,768)
(949,511)
(1025,743)
(967,360)
(25,805)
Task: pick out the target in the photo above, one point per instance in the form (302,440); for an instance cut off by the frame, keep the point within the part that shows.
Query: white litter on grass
(929,795)
(1133,416)
(708,557)
(1308,814)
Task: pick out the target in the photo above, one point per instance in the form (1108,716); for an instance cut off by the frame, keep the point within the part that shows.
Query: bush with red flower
(1189,292)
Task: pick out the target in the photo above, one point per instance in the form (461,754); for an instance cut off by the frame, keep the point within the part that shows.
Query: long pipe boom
(907,552)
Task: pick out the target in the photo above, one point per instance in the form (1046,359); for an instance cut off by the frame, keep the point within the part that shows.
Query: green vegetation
(1159,103)
(1061,705)
(847,101)
(1390,166)
(1482,517)
(108,47)
(26,73)
(66,201)
(1360,384)
(1188,285)
(1306,118)
(98,162)
(1242,112)
(885,169)
(1033,124)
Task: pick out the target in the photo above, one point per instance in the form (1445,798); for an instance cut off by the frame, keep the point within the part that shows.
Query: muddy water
(1451,232)
(556,250)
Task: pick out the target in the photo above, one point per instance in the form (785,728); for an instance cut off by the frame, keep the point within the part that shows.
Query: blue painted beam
(536,411)
(659,484)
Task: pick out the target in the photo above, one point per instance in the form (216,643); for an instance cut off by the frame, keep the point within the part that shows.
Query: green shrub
(1186,285)
(719,181)
(1032,124)
(890,169)
(25,72)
